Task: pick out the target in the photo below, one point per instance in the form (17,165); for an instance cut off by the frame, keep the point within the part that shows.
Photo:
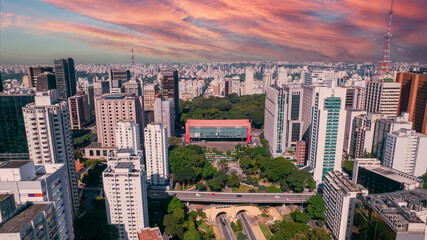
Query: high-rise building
(156,154)
(48,128)
(351,114)
(235,85)
(89,91)
(362,134)
(339,195)
(126,155)
(33,73)
(249,81)
(307,103)
(275,119)
(110,109)
(163,113)
(384,126)
(151,92)
(369,173)
(46,81)
(406,151)
(117,77)
(282,77)
(301,152)
(32,221)
(396,215)
(327,131)
(79,111)
(267,80)
(65,75)
(7,206)
(382,97)
(100,88)
(13,138)
(40,183)
(128,135)
(123,183)
(169,88)
(294,124)
(413,99)
(133,87)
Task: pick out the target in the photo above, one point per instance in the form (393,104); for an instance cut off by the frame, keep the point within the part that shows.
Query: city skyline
(186,31)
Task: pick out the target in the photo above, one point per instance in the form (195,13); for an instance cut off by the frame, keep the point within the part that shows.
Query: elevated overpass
(222,197)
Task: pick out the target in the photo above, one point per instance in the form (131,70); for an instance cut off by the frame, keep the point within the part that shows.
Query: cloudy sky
(99,31)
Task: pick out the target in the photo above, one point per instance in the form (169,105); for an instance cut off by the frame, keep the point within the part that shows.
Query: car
(213,194)
(198,194)
(239,195)
(277,196)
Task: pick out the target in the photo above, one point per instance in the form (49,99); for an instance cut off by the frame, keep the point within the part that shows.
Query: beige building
(150,94)
(110,109)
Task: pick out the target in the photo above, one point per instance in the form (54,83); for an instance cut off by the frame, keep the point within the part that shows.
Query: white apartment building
(126,155)
(128,135)
(235,85)
(164,113)
(156,154)
(387,125)
(126,199)
(33,221)
(362,134)
(282,77)
(382,97)
(327,131)
(249,81)
(275,119)
(406,151)
(40,183)
(351,114)
(47,124)
(339,195)
(267,80)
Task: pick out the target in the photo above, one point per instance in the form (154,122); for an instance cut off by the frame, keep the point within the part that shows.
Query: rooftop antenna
(384,69)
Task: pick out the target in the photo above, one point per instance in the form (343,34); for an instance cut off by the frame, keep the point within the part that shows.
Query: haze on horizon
(99,31)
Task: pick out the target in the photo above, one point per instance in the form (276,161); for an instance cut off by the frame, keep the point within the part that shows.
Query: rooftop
(342,182)
(394,174)
(150,234)
(124,165)
(400,208)
(115,96)
(4,196)
(222,122)
(17,222)
(13,164)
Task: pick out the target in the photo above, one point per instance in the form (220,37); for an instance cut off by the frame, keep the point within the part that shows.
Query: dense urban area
(244,150)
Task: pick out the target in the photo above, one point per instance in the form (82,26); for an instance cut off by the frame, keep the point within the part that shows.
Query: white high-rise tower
(249,81)
(156,151)
(47,123)
(127,135)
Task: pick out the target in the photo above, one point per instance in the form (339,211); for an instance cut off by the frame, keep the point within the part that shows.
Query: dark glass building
(65,78)
(46,81)
(170,88)
(13,138)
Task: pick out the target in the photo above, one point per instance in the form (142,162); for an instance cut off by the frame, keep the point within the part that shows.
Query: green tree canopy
(174,204)
(316,207)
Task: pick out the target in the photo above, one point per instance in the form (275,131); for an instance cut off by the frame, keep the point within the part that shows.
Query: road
(247,229)
(226,230)
(221,197)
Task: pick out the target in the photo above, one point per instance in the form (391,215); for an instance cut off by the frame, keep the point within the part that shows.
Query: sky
(104,31)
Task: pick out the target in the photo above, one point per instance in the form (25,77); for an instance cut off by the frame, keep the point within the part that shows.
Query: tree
(172,226)
(192,235)
(201,186)
(78,154)
(174,141)
(273,189)
(348,166)
(174,204)
(280,168)
(425,180)
(185,175)
(208,170)
(233,226)
(298,180)
(299,216)
(319,234)
(241,236)
(245,163)
(233,181)
(239,225)
(316,207)
(223,165)
(288,229)
(179,213)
